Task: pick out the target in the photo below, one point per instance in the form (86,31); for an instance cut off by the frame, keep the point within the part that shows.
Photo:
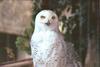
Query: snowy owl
(48,47)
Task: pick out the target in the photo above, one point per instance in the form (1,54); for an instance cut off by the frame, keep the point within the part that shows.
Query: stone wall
(15,16)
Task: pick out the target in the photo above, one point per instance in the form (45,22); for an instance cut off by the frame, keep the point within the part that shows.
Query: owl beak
(48,23)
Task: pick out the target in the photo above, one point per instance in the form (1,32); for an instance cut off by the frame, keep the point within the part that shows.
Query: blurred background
(79,23)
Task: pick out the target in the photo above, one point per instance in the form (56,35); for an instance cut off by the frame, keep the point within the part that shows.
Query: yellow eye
(53,17)
(42,17)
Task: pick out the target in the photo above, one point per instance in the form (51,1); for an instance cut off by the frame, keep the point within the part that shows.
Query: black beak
(48,23)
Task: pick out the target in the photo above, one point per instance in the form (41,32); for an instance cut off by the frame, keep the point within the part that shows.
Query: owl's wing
(72,54)
(67,51)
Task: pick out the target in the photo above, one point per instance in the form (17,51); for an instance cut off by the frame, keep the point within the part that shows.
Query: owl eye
(53,17)
(42,17)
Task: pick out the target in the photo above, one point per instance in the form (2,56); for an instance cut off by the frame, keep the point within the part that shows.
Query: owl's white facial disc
(46,20)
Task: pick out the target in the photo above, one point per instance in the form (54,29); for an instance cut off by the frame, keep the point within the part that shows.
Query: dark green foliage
(23,42)
(71,25)
(2,55)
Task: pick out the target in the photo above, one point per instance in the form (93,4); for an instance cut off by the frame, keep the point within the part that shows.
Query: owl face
(46,20)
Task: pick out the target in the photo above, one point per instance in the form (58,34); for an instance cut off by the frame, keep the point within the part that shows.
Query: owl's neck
(44,29)
(39,30)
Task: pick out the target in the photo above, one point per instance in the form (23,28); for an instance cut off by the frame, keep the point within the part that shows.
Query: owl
(48,47)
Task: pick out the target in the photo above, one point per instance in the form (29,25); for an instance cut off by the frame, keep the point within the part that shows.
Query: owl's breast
(42,45)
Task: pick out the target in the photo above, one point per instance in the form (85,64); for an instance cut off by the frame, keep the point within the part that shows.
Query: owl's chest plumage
(44,39)
(43,44)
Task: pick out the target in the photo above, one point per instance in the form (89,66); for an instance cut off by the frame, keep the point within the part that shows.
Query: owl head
(46,20)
